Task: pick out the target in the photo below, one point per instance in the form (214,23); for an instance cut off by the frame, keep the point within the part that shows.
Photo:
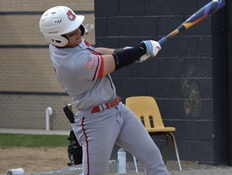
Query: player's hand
(143,58)
(153,47)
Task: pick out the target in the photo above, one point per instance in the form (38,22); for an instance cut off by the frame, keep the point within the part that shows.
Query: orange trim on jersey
(99,68)
(100,72)
(95,53)
(87,43)
(96,70)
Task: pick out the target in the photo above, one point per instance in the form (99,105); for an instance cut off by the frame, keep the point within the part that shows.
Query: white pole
(48,112)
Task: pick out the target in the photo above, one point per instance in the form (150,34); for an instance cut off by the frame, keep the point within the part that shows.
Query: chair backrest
(146,109)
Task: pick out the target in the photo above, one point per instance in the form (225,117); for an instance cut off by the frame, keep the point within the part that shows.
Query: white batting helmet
(58,21)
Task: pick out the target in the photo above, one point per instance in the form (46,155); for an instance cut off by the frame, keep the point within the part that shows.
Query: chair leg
(166,149)
(135,162)
(176,150)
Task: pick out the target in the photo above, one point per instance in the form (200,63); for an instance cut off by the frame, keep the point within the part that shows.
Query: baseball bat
(198,16)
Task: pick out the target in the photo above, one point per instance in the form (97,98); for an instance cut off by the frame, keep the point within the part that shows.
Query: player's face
(74,38)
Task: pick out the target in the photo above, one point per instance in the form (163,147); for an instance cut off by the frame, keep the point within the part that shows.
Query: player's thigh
(100,129)
(134,136)
(97,137)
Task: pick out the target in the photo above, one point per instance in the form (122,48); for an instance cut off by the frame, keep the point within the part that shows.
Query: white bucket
(18,171)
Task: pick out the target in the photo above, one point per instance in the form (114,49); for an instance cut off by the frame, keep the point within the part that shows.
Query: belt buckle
(113,103)
(110,106)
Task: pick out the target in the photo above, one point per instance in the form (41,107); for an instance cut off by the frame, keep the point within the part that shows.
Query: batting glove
(143,58)
(153,47)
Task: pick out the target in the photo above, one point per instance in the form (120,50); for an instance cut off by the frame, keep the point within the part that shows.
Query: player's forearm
(104,50)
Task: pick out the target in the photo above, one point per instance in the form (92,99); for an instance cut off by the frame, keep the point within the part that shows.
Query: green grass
(29,140)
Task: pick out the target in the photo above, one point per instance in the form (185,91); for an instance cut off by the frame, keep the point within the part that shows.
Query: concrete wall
(186,77)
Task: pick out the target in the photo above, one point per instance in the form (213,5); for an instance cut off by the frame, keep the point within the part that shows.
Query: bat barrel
(201,14)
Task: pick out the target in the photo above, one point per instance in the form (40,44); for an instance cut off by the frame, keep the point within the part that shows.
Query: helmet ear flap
(82,28)
(59,41)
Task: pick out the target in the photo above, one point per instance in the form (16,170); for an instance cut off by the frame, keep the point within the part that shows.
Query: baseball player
(101,119)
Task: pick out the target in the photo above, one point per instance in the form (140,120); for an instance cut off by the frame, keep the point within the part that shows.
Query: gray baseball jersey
(79,70)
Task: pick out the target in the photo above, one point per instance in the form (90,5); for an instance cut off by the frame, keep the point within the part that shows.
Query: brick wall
(28,84)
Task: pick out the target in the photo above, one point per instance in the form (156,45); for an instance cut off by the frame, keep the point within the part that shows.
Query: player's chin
(76,43)
(78,40)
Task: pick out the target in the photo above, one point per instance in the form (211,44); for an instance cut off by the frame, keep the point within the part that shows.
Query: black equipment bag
(74,148)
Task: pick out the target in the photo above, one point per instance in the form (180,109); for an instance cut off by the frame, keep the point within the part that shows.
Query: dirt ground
(33,159)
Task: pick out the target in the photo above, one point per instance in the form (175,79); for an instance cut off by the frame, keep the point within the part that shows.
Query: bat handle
(170,35)
(162,40)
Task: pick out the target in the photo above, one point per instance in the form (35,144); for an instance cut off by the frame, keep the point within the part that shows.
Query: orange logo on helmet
(71,16)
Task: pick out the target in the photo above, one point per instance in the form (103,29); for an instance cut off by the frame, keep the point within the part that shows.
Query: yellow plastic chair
(147,110)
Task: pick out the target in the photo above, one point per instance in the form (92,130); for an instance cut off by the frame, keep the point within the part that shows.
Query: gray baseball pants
(97,133)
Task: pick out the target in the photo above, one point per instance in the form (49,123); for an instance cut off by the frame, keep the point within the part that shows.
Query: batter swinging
(84,72)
